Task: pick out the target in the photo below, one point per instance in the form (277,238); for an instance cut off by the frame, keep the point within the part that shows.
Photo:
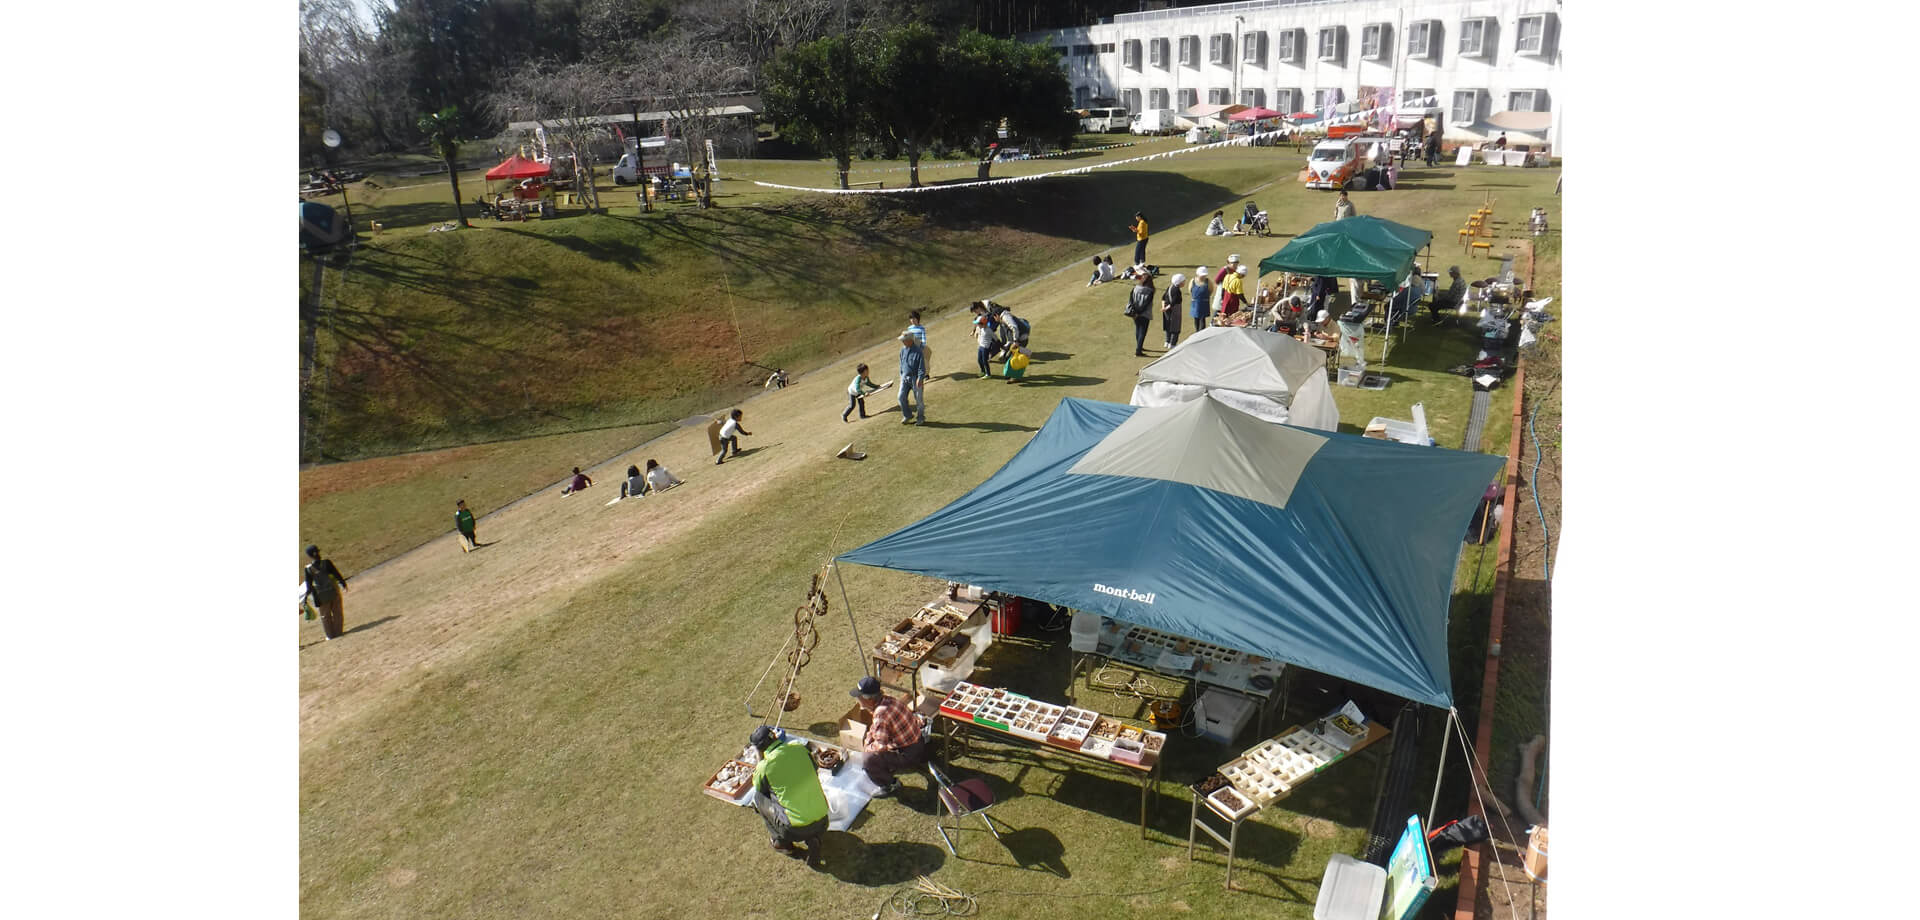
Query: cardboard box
(853,729)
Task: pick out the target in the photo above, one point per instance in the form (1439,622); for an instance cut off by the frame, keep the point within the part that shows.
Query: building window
(1220,49)
(1416,98)
(1330,41)
(1290,41)
(1286,99)
(1190,51)
(1466,107)
(1473,37)
(1254,97)
(1325,97)
(1157,99)
(1189,97)
(1106,47)
(1421,43)
(1130,98)
(1533,36)
(1157,52)
(1131,56)
(1375,39)
(1253,49)
(1219,95)
(1527,100)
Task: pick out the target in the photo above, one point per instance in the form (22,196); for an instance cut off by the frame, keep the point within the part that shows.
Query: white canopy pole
(1446,735)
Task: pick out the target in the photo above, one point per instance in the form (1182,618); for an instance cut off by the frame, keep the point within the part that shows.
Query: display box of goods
(1126,750)
(730,782)
(1097,747)
(1071,730)
(1035,721)
(998,711)
(1265,788)
(1105,728)
(964,701)
(1343,732)
(1230,804)
(1151,745)
(1242,773)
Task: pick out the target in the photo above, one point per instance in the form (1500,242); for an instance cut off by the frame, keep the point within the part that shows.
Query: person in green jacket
(463,522)
(787,794)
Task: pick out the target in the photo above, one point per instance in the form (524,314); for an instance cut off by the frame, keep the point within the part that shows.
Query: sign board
(713,165)
(1464,157)
(1410,877)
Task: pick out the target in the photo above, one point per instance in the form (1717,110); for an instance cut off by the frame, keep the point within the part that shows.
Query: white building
(1475,58)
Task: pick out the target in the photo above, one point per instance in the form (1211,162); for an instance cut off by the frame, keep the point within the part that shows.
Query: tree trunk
(453,176)
(844,160)
(913,164)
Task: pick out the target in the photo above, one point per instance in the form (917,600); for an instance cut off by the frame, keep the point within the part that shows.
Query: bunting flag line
(975,164)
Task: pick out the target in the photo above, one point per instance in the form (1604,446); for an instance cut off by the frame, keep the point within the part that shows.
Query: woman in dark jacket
(1140,304)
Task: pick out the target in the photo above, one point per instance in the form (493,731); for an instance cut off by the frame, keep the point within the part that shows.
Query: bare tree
(569,101)
(688,80)
(364,85)
(759,29)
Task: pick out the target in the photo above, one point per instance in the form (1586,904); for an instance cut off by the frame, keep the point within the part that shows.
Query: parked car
(1105,120)
(1153,122)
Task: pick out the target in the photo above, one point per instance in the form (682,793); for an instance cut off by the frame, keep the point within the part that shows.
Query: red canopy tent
(519,167)
(1253,113)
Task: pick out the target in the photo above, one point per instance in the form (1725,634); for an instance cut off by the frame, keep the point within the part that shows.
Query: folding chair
(958,800)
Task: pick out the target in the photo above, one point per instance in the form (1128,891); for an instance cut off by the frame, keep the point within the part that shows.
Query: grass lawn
(524,730)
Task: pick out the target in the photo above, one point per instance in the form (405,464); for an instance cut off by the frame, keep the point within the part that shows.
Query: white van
(1104,120)
(1153,121)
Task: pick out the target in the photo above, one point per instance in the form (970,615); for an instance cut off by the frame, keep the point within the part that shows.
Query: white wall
(1501,71)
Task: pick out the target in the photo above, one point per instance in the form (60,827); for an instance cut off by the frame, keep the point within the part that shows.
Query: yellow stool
(1482,244)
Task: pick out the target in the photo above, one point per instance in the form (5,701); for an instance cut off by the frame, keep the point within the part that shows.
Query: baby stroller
(1253,220)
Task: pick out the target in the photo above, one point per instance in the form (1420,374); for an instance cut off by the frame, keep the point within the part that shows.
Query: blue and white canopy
(1328,551)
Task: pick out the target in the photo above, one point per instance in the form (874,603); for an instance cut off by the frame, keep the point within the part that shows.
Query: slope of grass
(556,770)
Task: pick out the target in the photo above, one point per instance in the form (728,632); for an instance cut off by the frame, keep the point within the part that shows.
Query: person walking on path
(913,379)
(1170,311)
(857,392)
(730,433)
(1433,149)
(324,587)
(1140,307)
(659,478)
(787,794)
(983,336)
(1343,208)
(1199,298)
(463,522)
(579,481)
(919,331)
(1139,228)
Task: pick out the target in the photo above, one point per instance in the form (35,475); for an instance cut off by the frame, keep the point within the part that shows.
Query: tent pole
(1446,736)
(859,651)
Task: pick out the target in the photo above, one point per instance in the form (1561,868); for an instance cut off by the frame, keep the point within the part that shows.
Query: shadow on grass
(370,624)
(981,426)
(1061,380)
(852,860)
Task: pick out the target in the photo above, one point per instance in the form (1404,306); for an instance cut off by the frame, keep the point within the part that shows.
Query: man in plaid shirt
(895,741)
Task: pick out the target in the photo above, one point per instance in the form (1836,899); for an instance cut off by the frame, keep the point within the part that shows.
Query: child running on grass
(463,522)
(857,392)
(730,437)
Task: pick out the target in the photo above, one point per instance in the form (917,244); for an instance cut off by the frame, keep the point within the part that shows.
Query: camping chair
(958,800)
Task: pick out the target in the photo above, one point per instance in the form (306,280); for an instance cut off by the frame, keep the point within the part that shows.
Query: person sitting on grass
(1095,279)
(730,433)
(659,479)
(580,481)
(1106,269)
(635,485)
(1218,226)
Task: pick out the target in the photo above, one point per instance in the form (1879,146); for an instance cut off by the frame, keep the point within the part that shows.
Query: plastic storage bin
(1086,632)
(1221,715)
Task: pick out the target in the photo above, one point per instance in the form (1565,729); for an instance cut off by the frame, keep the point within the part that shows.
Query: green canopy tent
(1362,247)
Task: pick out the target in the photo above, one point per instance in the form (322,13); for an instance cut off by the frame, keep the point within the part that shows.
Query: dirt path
(542,549)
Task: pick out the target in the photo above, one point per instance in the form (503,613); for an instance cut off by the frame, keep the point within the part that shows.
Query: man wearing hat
(787,794)
(896,740)
(1451,299)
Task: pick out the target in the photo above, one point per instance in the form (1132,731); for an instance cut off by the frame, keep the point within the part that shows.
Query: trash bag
(1464,832)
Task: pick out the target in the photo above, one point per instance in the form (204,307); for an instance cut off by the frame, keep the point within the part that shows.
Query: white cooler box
(1220,715)
(941,678)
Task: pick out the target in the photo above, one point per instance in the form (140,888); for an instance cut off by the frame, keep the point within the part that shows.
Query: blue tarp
(1328,551)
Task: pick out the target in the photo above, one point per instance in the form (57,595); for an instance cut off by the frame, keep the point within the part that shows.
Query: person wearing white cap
(1170,310)
(1233,291)
(1199,298)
